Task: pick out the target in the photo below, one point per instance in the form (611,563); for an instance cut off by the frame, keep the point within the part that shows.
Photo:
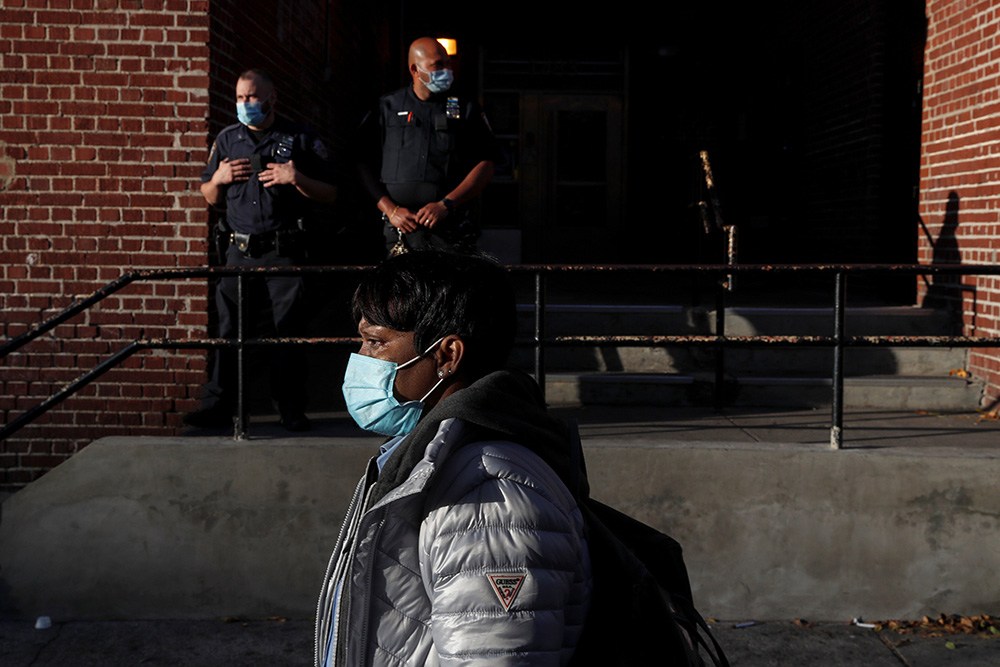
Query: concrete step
(203,528)
(873,321)
(940,394)
(905,378)
(564,320)
(930,362)
(815,361)
(896,392)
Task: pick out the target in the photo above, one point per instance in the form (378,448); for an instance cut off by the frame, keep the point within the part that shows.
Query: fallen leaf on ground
(945,624)
(992,415)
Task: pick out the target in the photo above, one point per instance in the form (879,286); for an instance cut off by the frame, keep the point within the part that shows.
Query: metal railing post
(240,432)
(839,308)
(720,349)
(540,331)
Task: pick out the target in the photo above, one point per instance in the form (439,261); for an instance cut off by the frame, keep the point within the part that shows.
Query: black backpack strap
(687,610)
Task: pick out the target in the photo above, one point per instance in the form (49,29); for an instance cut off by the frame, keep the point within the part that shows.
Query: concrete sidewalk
(279,643)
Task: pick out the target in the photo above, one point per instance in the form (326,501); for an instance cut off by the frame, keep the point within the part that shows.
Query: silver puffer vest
(478,558)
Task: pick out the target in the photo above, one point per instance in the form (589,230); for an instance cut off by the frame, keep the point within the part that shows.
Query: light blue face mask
(252,113)
(368,384)
(439,80)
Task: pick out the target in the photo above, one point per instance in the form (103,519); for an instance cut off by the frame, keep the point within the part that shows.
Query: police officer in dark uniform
(267,172)
(425,155)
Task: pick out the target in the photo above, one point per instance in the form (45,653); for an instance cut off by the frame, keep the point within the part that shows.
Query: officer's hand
(404,219)
(231,171)
(278,174)
(431,214)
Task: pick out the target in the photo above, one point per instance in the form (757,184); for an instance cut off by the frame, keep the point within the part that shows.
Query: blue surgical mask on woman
(368,391)
(438,80)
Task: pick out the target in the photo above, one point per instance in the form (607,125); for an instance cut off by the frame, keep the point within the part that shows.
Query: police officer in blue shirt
(425,154)
(268,173)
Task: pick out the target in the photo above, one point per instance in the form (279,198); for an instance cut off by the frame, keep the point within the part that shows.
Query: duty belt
(253,245)
(286,242)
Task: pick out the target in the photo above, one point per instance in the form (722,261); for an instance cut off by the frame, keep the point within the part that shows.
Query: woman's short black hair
(434,294)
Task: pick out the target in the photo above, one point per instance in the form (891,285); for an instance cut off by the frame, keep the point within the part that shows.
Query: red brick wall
(960,168)
(107,111)
(103,107)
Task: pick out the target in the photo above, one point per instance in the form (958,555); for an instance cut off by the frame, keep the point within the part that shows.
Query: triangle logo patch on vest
(506,586)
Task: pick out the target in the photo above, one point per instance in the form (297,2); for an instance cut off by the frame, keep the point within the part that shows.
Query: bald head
(428,57)
(426,47)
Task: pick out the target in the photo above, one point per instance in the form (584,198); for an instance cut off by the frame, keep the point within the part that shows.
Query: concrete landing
(774,524)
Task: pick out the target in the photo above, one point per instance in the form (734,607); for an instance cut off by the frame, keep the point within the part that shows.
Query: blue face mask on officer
(438,80)
(368,392)
(253,114)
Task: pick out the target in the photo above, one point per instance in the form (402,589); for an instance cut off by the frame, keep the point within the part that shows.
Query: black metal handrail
(838,341)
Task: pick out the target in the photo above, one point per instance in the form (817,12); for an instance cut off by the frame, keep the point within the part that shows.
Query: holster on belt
(220,235)
(285,243)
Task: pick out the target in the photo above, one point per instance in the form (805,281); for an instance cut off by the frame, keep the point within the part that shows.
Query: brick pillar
(960,170)
(103,132)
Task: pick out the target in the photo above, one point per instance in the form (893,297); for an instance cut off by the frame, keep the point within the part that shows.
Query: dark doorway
(810,112)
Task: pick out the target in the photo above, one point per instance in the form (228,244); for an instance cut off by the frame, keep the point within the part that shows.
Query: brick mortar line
(963,135)
(951,137)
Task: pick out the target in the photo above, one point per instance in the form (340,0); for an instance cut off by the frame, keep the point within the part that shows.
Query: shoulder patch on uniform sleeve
(319,149)
(506,587)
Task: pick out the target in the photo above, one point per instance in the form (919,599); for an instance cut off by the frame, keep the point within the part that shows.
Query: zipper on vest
(321,626)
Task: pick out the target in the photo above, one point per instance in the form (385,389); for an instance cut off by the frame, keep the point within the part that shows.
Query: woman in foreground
(462,544)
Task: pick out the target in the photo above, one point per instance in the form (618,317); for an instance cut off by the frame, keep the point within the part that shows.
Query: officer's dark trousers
(288,372)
